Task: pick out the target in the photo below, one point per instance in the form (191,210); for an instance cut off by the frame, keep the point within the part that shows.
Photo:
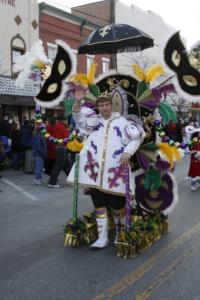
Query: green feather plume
(172,112)
(152,180)
(167,113)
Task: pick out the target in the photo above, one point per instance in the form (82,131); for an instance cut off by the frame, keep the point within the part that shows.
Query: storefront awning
(17,101)
(8,88)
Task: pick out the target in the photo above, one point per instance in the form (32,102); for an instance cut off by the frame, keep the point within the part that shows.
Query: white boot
(102,241)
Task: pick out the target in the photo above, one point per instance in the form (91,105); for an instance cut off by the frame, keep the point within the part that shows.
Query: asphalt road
(34,265)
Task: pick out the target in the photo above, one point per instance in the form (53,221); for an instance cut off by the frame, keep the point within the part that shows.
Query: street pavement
(34,265)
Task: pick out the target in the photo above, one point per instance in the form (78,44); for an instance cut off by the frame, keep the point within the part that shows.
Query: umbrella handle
(128,199)
(75,187)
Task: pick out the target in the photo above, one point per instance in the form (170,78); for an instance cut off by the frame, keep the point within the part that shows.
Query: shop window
(90,59)
(18,47)
(75,54)
(16,52)
(105,65)
(52,50)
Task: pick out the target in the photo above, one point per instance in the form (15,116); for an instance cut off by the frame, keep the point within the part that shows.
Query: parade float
(155,194)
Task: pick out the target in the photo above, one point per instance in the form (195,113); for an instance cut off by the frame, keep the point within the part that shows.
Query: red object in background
(172,128)
(61,131)
(194,170)
(51,153)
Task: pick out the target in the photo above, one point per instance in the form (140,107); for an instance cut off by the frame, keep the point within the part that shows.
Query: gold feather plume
(176,153)
(170,152)
(91,72)
(166,150)
(138,72)
(38,63)
(85,79)
(153,73)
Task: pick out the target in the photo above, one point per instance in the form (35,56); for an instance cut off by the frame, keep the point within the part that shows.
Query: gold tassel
(129,245)
(91,227)
(125,250)
(72,240)
(91,233)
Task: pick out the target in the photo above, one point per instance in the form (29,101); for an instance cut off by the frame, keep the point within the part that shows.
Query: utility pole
(113,59)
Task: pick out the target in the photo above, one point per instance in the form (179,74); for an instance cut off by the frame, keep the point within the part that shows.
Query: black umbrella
(115,38)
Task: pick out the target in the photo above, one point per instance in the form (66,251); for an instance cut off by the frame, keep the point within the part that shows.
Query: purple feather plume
(162,165)
(162,90)
(166,89)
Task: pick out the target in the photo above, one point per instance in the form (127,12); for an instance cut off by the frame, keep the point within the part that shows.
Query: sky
(183,15)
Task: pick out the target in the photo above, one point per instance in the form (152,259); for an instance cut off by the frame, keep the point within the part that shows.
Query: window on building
(16,52)
(90,59)
(17,48)
(75,53)
(52,50)
(105,65)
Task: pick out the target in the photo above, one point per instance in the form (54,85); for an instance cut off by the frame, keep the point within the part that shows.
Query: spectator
(4,127)
(39,153)
(15,145)
(172,130)
(51,152)
(62,160)
(179,131)
(2,154)
(194,169)
(27,145)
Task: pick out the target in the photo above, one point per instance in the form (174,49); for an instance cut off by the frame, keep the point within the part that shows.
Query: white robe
(106,142)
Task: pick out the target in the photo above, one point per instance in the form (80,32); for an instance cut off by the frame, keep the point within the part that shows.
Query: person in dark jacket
(2,154)
(39,153)
(15,145)
(51,152)
(27,146)
(179,131)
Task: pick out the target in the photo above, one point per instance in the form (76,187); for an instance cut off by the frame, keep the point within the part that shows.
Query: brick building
(55,23)
(115,11)
(102,13)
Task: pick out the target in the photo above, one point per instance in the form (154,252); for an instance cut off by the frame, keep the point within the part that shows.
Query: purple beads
(37,110)
(183,145)
(165,139)
(157,122)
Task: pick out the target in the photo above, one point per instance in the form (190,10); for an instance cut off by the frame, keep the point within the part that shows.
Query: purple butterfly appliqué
(118,152)
(94,147)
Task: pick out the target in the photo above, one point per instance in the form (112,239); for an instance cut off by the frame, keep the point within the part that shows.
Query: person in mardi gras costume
(111,142)
(120,158)
(194,168)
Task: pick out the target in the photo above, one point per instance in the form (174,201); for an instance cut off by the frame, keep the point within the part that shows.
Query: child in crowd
(39,153)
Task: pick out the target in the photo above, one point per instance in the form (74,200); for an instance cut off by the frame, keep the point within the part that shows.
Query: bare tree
(179,104)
